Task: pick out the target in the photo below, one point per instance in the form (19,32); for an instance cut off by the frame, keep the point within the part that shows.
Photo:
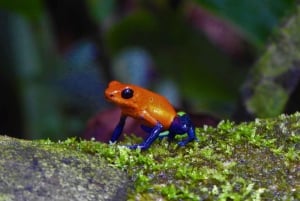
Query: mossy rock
(42,171)
(259,160)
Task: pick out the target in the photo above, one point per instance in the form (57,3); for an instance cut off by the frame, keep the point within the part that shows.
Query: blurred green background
(57,56)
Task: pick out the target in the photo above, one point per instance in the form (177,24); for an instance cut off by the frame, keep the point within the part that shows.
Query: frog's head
(120,94)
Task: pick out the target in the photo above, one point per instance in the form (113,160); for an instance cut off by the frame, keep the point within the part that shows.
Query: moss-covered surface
(52,171)
(259,160)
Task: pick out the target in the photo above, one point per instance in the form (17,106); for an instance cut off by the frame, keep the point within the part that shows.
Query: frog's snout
(108,95)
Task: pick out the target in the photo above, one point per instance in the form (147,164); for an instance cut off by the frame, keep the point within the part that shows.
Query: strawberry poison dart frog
(154,112)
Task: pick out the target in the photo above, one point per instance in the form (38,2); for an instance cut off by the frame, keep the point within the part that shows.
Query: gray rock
(30,171)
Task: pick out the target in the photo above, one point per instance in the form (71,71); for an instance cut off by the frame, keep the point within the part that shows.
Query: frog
(154,112)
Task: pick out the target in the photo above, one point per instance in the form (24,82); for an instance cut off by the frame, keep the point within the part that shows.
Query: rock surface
(29,171)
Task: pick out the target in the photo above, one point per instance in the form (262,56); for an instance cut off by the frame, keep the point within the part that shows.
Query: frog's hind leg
(191,137)
(183,124)
(171,136)
(162,134)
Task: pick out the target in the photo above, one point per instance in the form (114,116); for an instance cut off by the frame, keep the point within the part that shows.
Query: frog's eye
(127,93)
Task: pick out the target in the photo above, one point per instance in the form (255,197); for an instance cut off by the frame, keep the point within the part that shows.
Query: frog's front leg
(153,136)
(118,130)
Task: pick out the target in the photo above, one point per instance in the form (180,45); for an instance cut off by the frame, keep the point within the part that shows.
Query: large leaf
(255,18)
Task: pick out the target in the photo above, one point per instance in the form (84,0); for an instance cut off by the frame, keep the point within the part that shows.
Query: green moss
(249,161)
(4,197)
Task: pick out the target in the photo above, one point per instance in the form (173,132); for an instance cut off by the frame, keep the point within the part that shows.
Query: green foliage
(100,9)
(269,81)
(264,106)
(230,162)
(255,18)
(31,9)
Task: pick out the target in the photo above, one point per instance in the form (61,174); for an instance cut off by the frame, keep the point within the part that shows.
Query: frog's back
(158,106)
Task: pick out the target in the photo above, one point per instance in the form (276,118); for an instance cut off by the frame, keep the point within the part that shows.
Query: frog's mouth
(109,96)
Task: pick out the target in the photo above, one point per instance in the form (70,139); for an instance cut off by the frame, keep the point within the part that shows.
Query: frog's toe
(137,146)
(112,142)
(132,146)
(184,142)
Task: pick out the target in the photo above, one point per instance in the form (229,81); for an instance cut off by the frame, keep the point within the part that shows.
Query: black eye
(127,93)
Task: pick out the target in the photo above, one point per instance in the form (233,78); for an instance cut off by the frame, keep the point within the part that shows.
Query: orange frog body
(153,110)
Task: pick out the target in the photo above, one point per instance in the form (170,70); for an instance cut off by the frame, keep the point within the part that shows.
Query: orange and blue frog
(154,111)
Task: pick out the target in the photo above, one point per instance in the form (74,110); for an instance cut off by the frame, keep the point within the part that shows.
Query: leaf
(255,18)
(31,9)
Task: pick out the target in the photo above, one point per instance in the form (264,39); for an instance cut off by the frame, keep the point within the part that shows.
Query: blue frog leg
(180,125)
(162,134)
(153,135)
(118,130)
(191,137)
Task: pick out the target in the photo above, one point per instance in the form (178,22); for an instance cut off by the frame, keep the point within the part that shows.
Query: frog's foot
(112,142)
(138,146)
(184,142)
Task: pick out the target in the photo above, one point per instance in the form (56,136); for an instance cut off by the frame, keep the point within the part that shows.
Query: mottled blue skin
(181,124)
